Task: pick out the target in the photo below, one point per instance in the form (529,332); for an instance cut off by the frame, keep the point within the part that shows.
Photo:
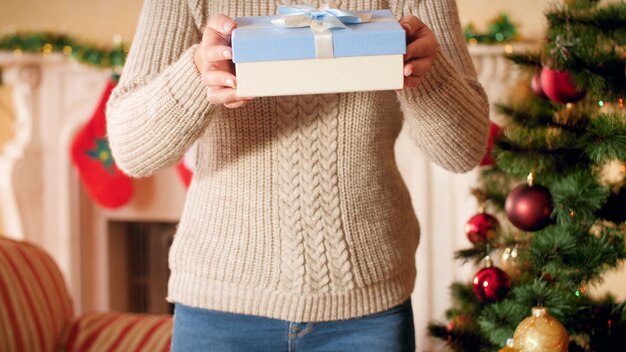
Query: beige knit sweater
(297,210)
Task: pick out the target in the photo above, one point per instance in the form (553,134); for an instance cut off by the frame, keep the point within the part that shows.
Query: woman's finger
(224,95)
(218,30)
(417,68)
(413,26)
(217,53)
(237,104)
(220,66)
(219,78)
(221,95)
(412,82)
(421,47)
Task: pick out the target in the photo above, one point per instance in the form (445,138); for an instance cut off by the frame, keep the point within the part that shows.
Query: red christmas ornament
(494,130)
(491,284)
(559,87)
(481,228)
(529,207)
(535,84)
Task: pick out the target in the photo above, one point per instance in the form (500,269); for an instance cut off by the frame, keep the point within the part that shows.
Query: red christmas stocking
(184,173)
(494,130)
(187,165)
(105,183)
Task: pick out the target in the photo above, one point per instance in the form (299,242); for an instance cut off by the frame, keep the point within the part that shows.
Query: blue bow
(296,16)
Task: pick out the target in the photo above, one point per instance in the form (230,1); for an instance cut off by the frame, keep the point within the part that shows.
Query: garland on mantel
(500,30)
(47,43)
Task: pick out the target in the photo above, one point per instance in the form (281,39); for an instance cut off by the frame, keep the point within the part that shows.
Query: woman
(298,230)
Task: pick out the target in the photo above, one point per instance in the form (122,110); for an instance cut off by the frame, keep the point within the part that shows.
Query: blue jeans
(197,329)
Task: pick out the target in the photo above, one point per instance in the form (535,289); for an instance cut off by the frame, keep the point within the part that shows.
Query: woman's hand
(421,50)
(213,59)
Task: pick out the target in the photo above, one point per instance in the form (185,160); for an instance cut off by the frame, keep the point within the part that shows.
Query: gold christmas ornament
(509,263)
(541,332)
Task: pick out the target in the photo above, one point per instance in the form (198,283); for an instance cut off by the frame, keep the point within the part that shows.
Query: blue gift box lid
(262,41)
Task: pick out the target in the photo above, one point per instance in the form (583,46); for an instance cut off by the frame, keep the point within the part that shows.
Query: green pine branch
(606,21)
(474,254)
(547,163)
(577,198)
(495,183)
(555,148)
(572,256)
(465,299)
(606,138)
(601,73)
(529,112)
(525,60)
(459,339)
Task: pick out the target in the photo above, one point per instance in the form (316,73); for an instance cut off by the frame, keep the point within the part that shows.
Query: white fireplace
(41,199)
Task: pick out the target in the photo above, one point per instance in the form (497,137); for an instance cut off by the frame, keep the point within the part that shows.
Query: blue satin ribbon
(297,16)
(320,21)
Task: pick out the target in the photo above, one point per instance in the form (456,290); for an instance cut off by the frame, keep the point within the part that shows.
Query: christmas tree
(552,216)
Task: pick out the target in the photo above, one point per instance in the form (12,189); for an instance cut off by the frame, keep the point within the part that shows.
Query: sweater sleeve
(448,114)
(159,107)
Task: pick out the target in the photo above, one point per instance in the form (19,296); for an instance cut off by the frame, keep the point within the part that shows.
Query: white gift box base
(320,76)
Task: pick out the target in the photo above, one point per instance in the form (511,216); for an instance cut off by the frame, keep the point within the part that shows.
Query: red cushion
(35,306)
(126,332)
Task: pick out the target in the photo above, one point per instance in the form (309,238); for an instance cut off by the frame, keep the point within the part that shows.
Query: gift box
(307,51)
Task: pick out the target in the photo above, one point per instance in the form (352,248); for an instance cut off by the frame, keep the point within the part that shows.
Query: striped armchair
(36,311)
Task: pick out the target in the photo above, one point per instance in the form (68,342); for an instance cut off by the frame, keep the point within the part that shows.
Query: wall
(93,20)
(6,116)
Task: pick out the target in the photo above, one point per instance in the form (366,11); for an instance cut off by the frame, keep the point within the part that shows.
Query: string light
(17,52)
(47,49)
(500,29)
(621,102)
(601,103)
(508,49)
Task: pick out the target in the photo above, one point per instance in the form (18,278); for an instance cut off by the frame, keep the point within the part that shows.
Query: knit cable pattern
(291,230)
